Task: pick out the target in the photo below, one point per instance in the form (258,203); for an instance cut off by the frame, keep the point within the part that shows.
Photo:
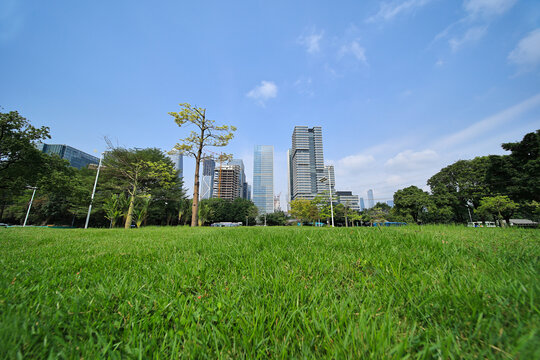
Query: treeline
(138,186)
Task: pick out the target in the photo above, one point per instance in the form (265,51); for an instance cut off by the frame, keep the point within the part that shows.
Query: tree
(411,201)
(17,140)
(113,208)
(462,183)
(21,164)
(139,171)
(500,207)
(304,210)
(207,134)
(277,218)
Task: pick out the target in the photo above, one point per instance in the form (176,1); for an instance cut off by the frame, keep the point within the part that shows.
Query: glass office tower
(306,163)
(263,178)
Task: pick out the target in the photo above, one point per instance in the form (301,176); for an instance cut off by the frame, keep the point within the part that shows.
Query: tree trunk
(129,216)
(195,206)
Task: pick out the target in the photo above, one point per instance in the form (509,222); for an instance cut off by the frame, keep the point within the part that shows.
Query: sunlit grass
(427,292)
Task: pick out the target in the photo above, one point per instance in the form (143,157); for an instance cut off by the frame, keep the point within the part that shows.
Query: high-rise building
(241,177)
(390,203)
(277,203)
(371,202)
(348,199)
(306,163)
(362,205)
(178,162)
(207,180)
(227,182)
(263,178)
(76,158)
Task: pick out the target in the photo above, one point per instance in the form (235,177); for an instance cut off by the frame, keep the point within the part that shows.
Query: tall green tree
(207,134)
(21,164)
(139,171)
(460,185)
(411,201)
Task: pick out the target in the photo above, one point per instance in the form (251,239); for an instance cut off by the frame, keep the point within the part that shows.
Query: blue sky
(400,88)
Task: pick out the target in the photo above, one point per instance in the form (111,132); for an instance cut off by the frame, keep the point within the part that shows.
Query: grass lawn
(423,292)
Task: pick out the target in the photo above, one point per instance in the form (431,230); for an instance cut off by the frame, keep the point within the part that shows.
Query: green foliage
(223,210)
(277,218)
(304,210)
(500,207)
(140,210)
(412,201)
(207,134)
(460,184)
(425,292)
(114,207)
(17,140)
(139,172)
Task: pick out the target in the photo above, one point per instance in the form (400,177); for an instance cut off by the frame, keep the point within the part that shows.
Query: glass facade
(207,183)
(263,178)
(76,158)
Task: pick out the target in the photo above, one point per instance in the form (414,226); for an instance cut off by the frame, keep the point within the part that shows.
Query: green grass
(422,292)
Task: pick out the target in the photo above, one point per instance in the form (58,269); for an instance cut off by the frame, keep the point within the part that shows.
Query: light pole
(469,210)
(30,205)
(323,179)
(93,193)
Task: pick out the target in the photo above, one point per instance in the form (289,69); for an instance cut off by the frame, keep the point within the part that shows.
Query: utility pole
(30,205)
(330,190)
(93,193)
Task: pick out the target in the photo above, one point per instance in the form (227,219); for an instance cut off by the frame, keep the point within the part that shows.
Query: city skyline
(401,88)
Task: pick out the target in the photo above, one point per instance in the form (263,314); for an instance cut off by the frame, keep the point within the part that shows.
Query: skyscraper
(362,206)
(371,202)
(306,163)
(207,180)
(178,161)
(241,177)
(263,178)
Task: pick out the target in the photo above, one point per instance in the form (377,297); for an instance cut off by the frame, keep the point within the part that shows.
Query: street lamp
(30,205)
(93,193)
(323,179)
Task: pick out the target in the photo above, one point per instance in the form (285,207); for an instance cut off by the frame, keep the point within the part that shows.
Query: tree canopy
(207,134)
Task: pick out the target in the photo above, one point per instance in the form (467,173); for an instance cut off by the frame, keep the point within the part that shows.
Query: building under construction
(227,182)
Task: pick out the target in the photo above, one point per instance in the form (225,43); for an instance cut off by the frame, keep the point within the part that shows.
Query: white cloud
(354,49)
(388,11)
(409,160)
(472,35)
(439,63)
(311,41)
(354,163)
(488,7)
(480,128)
(527,52)
(266,90)
(474,23)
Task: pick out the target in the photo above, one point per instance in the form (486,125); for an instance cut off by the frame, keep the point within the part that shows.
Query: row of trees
(135,185)
(484,188)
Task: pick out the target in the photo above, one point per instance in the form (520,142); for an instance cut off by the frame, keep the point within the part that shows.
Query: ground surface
(427,292)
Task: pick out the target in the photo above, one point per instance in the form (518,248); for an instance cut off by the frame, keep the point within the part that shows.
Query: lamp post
(323,179)
(93,193)
(30,205)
